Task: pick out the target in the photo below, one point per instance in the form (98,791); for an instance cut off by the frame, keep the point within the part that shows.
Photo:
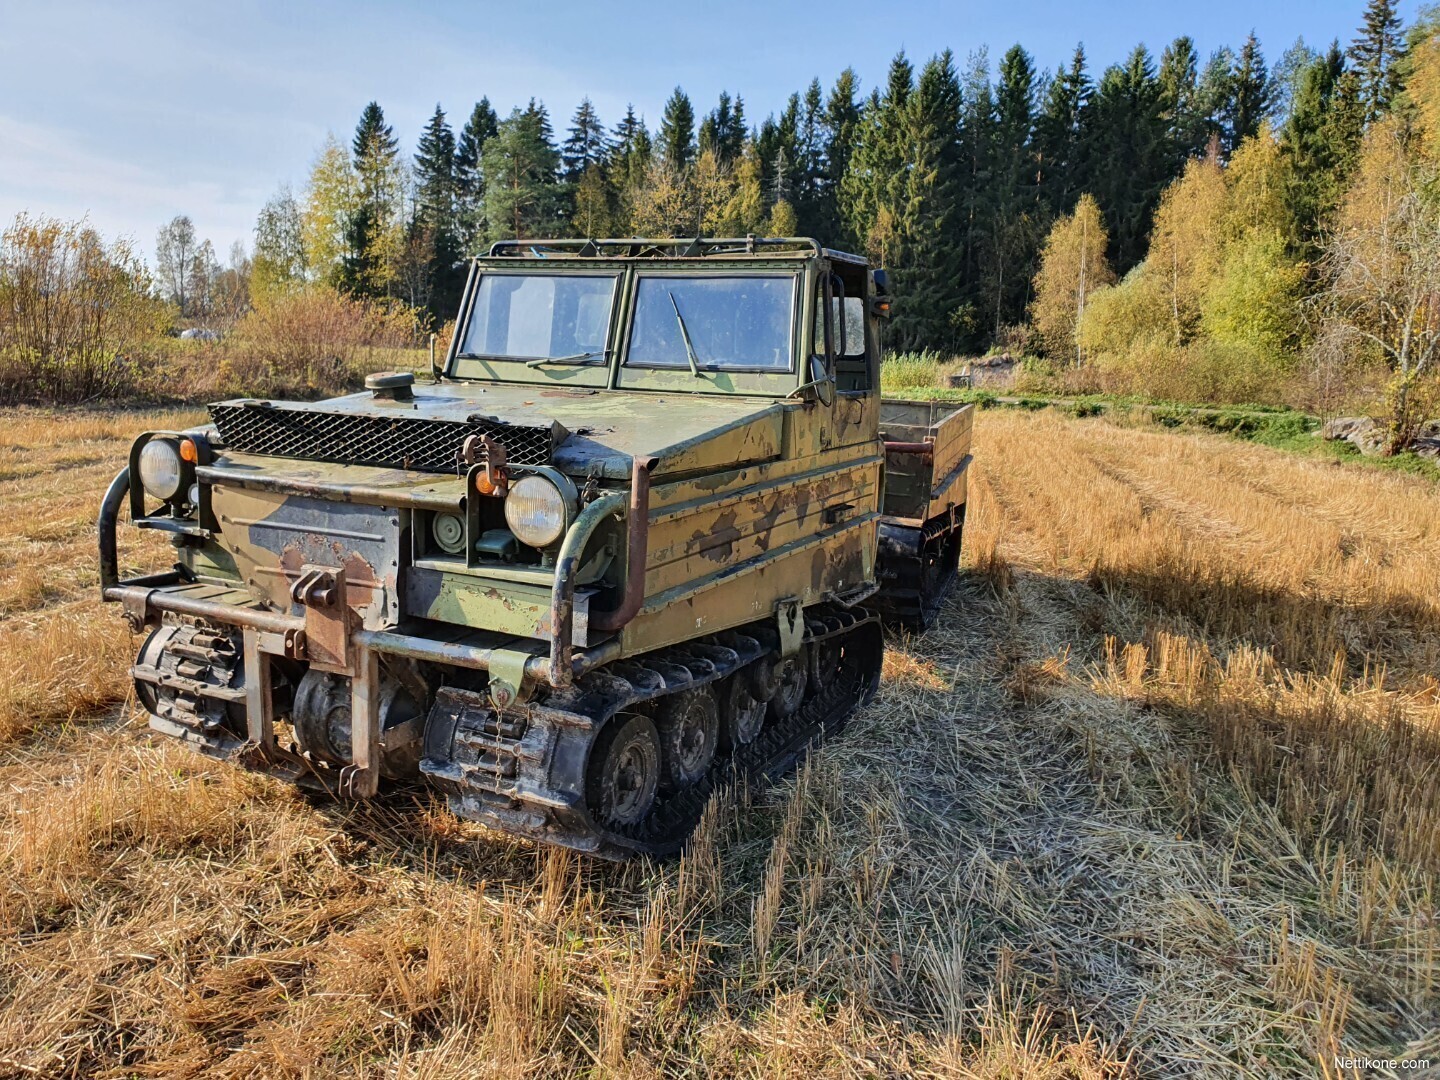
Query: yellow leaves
(330,195)
(1072,266)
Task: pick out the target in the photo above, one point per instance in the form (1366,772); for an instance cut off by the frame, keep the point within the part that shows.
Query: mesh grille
(400,442)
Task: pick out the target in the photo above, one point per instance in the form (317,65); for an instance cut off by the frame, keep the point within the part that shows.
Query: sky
(132,113)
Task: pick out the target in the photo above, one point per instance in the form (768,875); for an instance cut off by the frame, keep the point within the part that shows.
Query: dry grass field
(1160,797)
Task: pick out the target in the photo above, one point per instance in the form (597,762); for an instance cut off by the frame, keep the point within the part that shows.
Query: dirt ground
(1158,797)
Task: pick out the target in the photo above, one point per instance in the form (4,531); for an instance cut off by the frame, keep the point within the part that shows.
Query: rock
(1362,432)
(1427,448)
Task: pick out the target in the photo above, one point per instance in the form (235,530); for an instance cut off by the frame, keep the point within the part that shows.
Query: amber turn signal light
(189,451)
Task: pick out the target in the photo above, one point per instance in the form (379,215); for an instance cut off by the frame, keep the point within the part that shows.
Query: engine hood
(599,432)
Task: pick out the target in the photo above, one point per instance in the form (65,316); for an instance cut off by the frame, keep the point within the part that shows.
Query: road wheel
(742,714)
(689,723)
(791,679)
(624,773)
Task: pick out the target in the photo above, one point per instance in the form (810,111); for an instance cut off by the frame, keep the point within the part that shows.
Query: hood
(594,432)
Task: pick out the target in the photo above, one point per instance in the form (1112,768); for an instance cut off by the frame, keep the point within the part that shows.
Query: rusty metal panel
(274,537)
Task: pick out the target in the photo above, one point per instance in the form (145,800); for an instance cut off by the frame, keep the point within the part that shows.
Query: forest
(1191,228)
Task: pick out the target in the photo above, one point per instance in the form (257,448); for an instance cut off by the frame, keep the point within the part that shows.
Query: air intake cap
(391,385)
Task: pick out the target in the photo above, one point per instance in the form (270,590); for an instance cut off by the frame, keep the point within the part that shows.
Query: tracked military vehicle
(631,541)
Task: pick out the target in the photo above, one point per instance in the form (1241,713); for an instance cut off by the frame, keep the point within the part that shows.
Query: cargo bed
(927,461)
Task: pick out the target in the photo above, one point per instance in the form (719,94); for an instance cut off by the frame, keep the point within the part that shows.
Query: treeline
(952,177)
(1302,266)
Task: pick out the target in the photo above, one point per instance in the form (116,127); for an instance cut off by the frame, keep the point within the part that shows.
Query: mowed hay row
(1298,744)
(1307,559)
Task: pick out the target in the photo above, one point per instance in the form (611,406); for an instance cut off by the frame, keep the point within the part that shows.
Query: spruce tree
(1130,123)
(1285,80)
(364,269)
(436,226)
(521,168)
(677,131)
(842,120)
(929,266)
(1374,52)
(723,130)
(586,144)
(1014,225)
(1181,101)
(871,191)
(1319,139)
(809,159)
(1251,94)
(1215,96)
(1059,141)
(978,137)
(469,183)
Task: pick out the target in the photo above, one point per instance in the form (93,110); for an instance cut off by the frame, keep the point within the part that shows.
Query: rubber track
(551,810)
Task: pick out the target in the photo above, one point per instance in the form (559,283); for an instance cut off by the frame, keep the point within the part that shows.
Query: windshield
(535,316)
(734,323)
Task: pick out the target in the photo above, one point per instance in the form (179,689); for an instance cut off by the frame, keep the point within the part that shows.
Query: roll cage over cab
(763,317)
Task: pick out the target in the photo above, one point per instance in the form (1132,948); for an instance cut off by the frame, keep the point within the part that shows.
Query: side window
(849,333)
(854,326)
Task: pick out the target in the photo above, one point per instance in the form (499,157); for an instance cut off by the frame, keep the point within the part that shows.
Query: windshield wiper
(685,335)
(577,358)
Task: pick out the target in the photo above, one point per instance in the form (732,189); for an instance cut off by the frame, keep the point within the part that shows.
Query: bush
(76,314)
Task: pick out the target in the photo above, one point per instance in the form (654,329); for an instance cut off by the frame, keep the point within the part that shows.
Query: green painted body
(764,489)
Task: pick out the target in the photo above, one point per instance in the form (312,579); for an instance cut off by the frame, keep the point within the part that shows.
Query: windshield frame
(500,368)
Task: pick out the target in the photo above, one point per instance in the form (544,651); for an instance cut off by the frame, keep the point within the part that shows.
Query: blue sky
(133,113)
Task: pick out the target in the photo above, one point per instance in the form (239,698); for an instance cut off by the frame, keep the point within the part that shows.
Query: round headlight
(535,511)
(449,533)
(160,469)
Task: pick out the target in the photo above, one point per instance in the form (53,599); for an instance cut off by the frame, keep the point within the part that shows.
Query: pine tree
(677,131)
(1375,51)
(586,144)
(521,167)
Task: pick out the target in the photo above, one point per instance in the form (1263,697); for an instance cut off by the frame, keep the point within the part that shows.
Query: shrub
(76,314)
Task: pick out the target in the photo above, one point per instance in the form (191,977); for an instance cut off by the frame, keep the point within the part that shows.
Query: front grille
(399,442)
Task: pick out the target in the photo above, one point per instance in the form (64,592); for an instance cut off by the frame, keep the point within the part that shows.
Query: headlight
(535,511)
(449,533)
(160,468)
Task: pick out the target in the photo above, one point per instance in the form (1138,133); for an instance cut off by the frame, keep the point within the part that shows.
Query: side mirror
(880,293)
(821,381)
